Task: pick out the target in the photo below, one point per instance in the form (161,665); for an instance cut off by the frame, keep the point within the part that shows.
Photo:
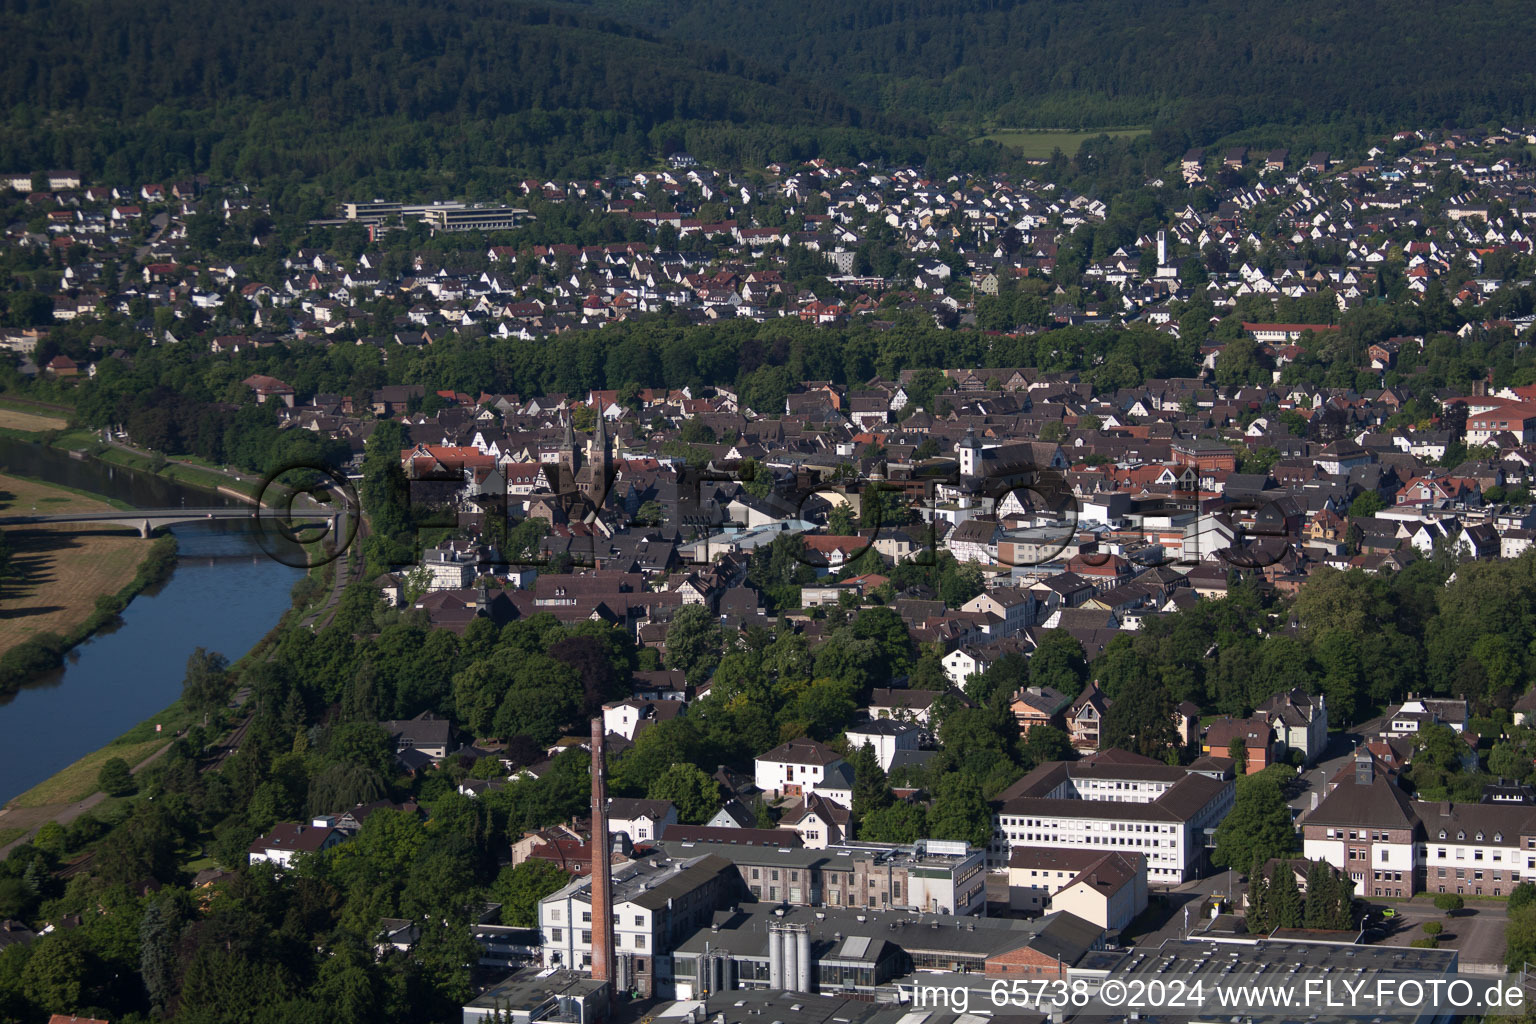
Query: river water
(225,595)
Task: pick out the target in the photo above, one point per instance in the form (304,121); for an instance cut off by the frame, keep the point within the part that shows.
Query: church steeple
(568,451)
(597,455)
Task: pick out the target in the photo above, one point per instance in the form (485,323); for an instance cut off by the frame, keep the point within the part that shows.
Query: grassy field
(28,422)
(78,781)
(59,571)
(1040,143)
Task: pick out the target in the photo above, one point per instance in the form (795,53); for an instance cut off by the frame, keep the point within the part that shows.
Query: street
(1313,785)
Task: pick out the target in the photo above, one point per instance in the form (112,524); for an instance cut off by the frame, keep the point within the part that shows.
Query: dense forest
(1206,67)
(399,96)
(395,92)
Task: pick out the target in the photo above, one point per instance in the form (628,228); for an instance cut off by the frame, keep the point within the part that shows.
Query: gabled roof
(801,751)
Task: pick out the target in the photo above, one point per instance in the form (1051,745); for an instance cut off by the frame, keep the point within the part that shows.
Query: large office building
(474,218)
(1117,801)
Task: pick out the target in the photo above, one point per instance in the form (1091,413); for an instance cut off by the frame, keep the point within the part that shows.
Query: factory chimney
(602,869)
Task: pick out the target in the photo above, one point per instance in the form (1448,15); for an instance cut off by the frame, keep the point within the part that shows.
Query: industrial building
(932,876)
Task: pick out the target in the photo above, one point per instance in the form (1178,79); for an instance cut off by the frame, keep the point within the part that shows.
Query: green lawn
(1040,143)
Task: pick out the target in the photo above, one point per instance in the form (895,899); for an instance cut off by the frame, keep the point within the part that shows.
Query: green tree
(1237,750)
(1367,503)
(1449,903)
(900,822)
(1259,825)
(159,932)
(1059,662)
(1286,896)
(115,778)
(959,582)
(871,789)
(693,642)
(841,521)
(56,974)
(1520,936)
(1044,743)
(1260,915)
(694,793)
(959,812)
(651,513)
(1141,719)
(208,684)
(519,890)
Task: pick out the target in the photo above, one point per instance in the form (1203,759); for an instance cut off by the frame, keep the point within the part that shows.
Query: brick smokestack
(602,868)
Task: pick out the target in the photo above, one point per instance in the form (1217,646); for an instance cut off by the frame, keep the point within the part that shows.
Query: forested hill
(144,90)
(1209,66)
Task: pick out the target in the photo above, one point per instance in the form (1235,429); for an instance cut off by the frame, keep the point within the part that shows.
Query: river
(225,595)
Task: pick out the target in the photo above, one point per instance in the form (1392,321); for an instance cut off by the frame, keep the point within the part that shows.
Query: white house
(796,768)
(627,717)
(289,839)
(641,820)
(1010,604)
(1110,892)
(1300,721)
(886,736)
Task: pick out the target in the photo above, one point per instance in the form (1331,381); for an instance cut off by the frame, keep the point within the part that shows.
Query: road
(1339,754)
(159,222)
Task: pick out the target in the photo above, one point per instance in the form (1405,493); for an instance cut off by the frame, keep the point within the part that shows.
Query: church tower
(568,452)
(599,469)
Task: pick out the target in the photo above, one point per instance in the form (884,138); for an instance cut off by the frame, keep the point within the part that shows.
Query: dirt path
(33,818)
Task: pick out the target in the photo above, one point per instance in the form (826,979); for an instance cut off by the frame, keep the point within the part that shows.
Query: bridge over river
(148,520)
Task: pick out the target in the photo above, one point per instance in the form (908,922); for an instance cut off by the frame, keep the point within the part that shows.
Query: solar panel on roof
(856,945)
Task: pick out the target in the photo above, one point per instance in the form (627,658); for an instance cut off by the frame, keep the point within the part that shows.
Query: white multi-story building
(641,820)
(885,736)
(796,768)
(452,568)
(1116,801)
(654,905)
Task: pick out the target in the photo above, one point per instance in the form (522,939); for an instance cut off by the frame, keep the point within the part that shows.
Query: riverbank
(65,582)
(42,423)
(73,790)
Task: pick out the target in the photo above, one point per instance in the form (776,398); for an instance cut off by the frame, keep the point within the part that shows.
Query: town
(901,575)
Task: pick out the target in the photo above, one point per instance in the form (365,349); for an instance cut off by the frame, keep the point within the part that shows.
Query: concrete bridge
(148,520)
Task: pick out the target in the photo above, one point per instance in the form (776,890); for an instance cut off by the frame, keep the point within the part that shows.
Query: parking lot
(1476,932)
